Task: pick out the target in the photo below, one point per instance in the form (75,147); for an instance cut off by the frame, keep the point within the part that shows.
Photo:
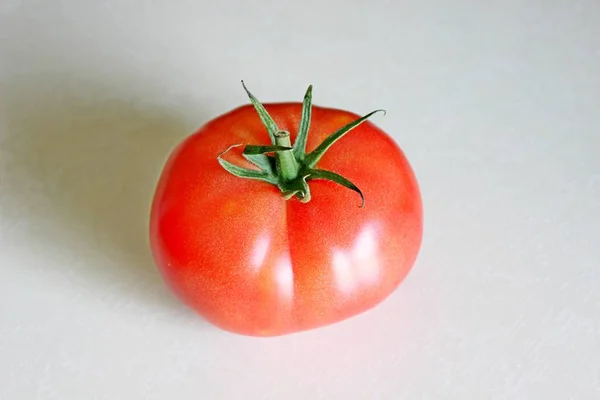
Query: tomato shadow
(82,161)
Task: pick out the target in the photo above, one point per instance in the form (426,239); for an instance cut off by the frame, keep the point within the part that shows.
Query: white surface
(496,104)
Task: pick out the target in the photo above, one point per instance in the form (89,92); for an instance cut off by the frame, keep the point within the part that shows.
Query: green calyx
(286,166)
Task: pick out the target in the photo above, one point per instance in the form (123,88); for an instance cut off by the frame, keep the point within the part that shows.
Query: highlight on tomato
(282,217)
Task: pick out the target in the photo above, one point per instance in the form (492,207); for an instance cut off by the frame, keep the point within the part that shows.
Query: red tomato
(254,263)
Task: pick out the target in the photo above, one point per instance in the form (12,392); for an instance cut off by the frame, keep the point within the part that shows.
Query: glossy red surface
(253,263)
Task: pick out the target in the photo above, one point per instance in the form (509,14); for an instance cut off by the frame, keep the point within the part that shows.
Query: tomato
(267,239)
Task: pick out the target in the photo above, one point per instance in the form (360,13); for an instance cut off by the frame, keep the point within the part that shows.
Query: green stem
(290,168)
(285,161)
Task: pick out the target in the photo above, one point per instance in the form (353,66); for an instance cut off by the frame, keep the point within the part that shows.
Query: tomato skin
(253,263)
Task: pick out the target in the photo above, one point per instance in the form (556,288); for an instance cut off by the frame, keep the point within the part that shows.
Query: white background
(496,104)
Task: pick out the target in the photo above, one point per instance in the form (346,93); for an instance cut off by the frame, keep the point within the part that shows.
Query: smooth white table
(496,104)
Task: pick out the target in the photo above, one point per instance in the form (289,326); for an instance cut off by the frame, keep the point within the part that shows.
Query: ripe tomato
(268,241)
